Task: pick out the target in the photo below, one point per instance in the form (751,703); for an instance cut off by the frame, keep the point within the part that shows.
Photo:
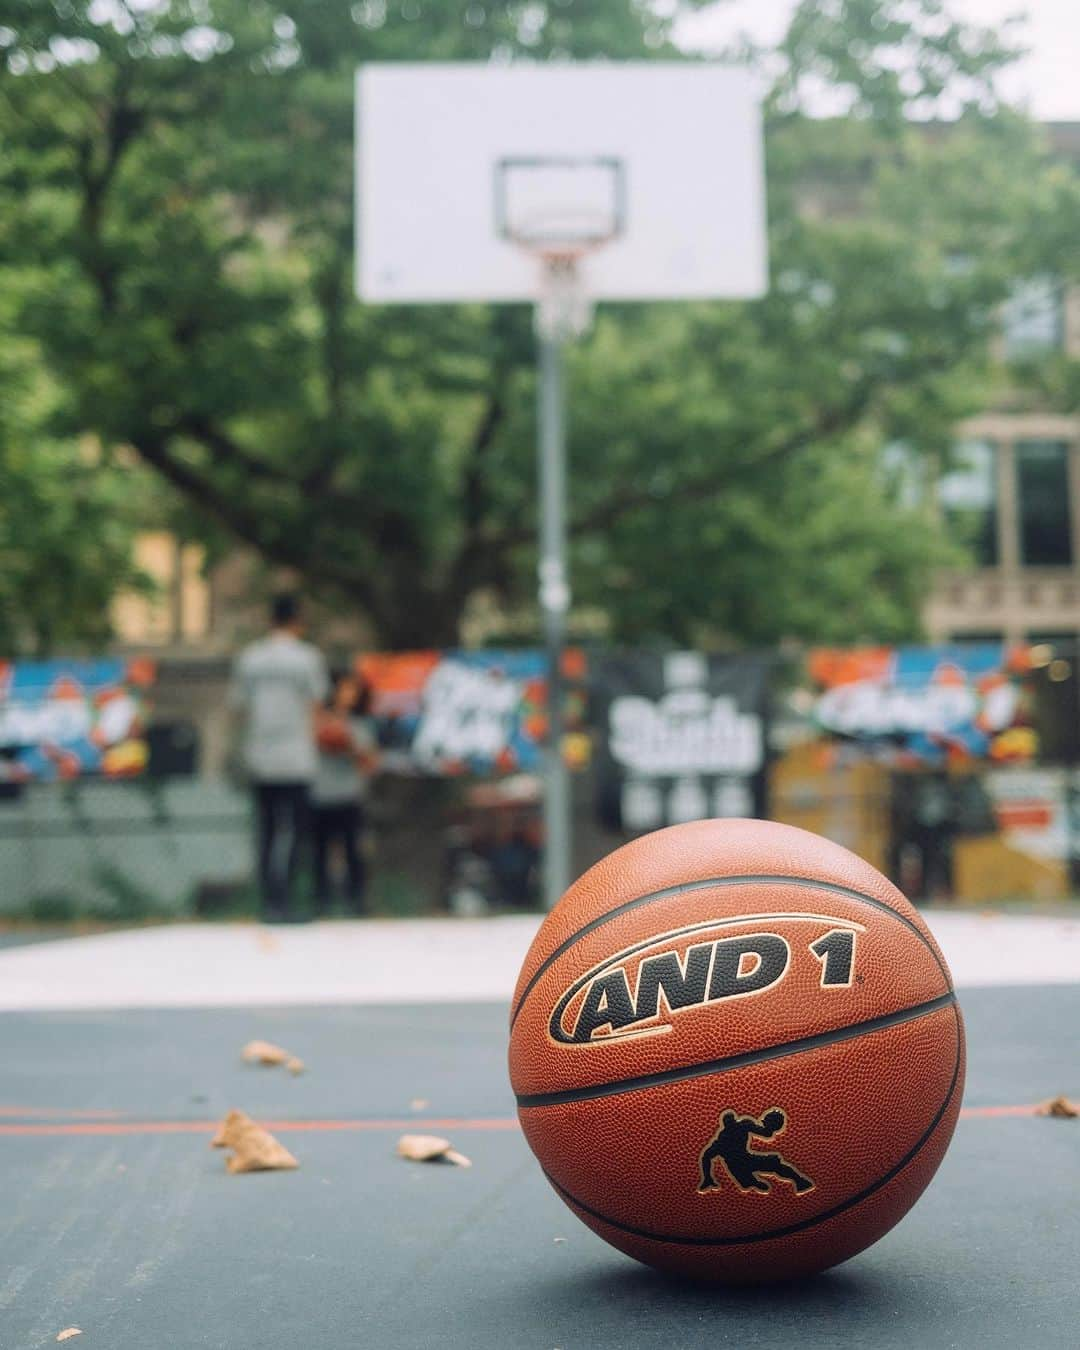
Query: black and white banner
(682,736)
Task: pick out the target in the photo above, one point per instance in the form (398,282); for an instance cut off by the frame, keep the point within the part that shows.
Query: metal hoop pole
(554,595)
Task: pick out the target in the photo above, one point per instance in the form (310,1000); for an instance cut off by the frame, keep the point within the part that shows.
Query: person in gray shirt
(278,684)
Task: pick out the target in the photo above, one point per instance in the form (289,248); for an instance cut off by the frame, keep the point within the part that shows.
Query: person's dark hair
(361,706)
(284,609)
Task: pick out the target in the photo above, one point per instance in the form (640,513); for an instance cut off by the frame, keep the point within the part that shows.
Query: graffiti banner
(67,719)
(482,713)
(927,705)
(682,737)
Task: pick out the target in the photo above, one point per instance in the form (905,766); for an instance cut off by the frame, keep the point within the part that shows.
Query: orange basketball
(333,736)
(736,1051)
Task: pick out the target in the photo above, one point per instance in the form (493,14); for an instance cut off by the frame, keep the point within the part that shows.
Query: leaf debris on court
(268,1055)
(254,1148)
(1059,1107)
(430,1148)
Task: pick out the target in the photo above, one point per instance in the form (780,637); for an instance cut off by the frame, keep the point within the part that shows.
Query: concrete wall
(98,843)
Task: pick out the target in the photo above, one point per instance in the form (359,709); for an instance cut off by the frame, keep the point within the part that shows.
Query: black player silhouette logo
(730,1145)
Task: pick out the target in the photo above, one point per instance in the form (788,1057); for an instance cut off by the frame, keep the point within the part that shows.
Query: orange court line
(149,1127)
(975,1112)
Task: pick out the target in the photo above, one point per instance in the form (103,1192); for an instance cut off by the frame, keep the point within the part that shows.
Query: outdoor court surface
(117,1217)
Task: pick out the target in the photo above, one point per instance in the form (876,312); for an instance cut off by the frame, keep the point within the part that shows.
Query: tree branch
(475,496)
(122,124)
(249,525)
(330,297)
(200,428)
(636,498)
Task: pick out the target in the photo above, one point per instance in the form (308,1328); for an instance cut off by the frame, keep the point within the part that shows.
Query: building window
(1042,480)
(1033,319)
(969,499)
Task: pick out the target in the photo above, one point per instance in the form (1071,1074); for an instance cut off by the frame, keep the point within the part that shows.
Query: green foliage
(176,205)
(65,526)
(116,897)
(889,60)
(112,898)
(51,907)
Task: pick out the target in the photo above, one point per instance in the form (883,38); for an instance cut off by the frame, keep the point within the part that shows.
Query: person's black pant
(281,822)
(331,825)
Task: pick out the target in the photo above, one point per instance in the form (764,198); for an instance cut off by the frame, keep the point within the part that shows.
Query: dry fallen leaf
(266,1053)
(67,1335)
(221,1138)
(254,1149)
(1060,1107)
(263,1052)
(430,1148)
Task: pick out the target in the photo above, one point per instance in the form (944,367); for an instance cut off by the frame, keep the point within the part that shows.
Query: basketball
(333,737)
(736,1051)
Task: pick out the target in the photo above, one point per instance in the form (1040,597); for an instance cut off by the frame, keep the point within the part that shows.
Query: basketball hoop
(558,210)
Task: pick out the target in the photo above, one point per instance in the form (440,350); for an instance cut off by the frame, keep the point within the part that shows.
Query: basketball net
(564,310)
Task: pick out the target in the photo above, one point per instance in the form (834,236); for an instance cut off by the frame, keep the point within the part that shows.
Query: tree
(178,182)
(65,530)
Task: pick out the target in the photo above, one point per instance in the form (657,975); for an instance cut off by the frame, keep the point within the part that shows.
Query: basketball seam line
(804,1224)
(684,887)
(714,1066)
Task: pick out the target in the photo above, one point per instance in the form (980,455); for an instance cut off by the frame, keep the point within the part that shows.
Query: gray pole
(554,606)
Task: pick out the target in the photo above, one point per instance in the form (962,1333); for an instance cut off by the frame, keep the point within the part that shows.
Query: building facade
(1012,495)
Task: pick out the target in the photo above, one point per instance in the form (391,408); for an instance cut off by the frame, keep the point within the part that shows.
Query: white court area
(411,961)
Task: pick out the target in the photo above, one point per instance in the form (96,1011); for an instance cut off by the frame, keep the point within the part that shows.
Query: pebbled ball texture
(736,1051)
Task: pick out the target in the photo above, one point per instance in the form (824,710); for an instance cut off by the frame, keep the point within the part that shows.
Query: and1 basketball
(736,1051)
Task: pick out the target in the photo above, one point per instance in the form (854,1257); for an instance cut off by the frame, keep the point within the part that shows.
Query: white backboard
(430,138)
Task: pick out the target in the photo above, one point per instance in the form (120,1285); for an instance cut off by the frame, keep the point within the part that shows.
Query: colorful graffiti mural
(926,705)
(62,720)
(466,712)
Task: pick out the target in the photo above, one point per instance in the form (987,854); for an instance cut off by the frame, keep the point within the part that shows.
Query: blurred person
(347,758)
(278,685)
(924,829)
